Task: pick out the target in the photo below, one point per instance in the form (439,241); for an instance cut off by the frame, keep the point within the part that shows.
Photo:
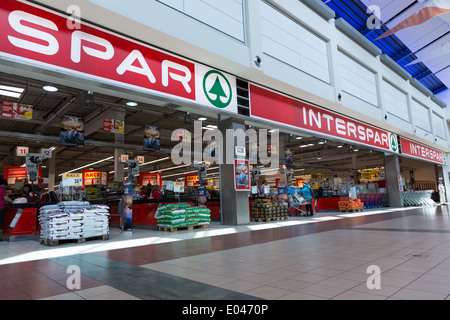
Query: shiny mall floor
(332,255)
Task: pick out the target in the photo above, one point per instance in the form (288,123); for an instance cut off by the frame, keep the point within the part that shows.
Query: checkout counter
(21,219)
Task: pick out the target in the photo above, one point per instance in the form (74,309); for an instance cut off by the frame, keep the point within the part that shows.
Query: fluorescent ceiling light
(86,166)
(132,104)
(202,119)
(168,169)
(155,161)
(182,173)
(13,92)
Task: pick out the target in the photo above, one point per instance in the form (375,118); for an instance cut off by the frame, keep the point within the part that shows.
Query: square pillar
(234,204)
(392,167)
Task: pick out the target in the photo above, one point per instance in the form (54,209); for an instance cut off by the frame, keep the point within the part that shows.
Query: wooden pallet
(57,242)
(351,210)
(186,228)
(269,219)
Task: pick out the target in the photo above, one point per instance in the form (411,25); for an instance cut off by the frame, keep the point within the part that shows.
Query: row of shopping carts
(418,198)
(371,200)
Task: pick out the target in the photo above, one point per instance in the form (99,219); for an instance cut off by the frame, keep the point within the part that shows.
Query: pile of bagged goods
(73,220)
(351,205)
(267,209)
(180,215)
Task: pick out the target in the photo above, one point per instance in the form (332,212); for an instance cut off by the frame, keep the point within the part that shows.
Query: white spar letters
(127,65)
(79,36)
(166,65)
(84,45)
(16,18)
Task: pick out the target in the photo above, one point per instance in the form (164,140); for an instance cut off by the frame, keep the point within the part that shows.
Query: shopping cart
(418,198)
(296,204)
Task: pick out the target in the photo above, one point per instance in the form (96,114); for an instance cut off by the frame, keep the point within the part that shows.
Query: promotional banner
(154,178)
(421,151)
(242,175)
(18,111)
(152,140)
(95,178)
(266,104)
(114,126)
(11,174)
(191,180)
(72,132)
(37,36)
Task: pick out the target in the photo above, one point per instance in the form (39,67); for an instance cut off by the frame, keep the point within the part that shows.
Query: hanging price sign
(72,180)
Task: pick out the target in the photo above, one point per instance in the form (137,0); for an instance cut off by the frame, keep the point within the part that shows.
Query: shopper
(307,195)
(3,198)
(156,194)
(262,189)
(28,193)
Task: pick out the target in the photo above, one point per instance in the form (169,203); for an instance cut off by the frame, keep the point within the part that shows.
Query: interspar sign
(420,151)
(32,34)
(270,105)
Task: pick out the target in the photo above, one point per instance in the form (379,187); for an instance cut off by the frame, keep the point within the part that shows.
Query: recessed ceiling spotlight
(132,104)
(50,87)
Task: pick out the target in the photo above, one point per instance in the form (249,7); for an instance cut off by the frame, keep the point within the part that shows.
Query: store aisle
(325,257)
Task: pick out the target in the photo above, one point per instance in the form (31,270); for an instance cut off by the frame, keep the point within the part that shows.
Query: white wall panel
(226,16)
(288,41)
(395,102)
(421,116)
(438,126)
(357,80)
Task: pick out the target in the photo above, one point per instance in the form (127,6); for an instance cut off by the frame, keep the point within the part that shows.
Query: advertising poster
(18,111)
(201,199)
(114,126)
(72,132)
(152,140)
(288,156)
(127,212)
(242,175)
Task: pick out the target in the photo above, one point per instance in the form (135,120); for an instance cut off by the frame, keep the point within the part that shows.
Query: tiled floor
(325,257)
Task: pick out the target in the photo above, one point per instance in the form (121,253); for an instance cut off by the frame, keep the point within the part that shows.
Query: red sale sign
(421,151)
(35,35)
(280,108)
(18,111)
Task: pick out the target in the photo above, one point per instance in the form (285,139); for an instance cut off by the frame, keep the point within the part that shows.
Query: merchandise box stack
(73,220)
(352,205)
(266,209)
(182,215)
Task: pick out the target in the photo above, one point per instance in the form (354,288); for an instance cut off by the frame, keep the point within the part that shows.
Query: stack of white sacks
(70,220)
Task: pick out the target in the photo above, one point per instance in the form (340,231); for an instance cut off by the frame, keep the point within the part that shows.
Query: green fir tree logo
(216,94)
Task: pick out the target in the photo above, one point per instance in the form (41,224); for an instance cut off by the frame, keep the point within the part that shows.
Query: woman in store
(156,193)
(307,195)
(28,193)
(3,199)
